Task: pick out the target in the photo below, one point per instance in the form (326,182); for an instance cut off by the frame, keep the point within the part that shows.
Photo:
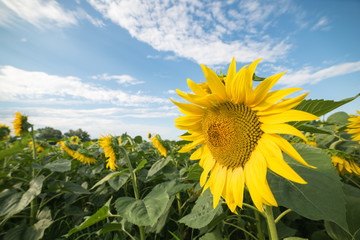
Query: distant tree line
(49,133)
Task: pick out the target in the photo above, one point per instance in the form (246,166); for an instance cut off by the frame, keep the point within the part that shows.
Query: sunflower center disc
(231,132)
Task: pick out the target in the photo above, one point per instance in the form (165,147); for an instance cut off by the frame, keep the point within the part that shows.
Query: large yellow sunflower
(354,127)
(237,127)
(106,144)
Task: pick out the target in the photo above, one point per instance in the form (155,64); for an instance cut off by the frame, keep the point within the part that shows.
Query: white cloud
(20,85)
(197,29)
(309,75)
(120,79)
(96,122)
(322,24)
(171,92)
(42,14)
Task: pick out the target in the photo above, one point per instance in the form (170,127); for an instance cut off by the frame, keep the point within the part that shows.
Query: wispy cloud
(322,24)
(200,30)
(21,85)
(43,14)
(120,79)
(310,75)
(95,121)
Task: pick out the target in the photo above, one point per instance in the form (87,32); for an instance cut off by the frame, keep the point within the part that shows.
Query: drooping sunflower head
(20,123)
(354,127)
(155,140)
(237,129)
(344,166)
(4,131)
(106,142)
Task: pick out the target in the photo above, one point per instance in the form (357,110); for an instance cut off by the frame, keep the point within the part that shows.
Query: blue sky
(110,66)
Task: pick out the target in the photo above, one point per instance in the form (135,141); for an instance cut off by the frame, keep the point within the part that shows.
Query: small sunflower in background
(354,127)
(39,148)
(80,155)
(238,129)
(21,124)
(156,142)
(106,143)
(4,131)
(344,166)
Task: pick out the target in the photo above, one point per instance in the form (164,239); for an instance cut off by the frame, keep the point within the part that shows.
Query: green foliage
(83,135)
(49,133)
(52,195)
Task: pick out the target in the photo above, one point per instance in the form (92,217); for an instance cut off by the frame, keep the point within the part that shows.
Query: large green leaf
(143,212)
(352,196)
(195,172)
(320,107)
(34,232)
(33,191)
(118,181)
(202,213)
(100,215)
(61,165)
(172,187)
(158,165)
(74,188)
(111,176)
(322,197)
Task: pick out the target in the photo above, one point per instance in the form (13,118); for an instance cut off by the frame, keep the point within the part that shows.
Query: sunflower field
(251,164)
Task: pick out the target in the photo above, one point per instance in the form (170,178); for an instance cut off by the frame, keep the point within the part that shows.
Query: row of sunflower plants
(252,165)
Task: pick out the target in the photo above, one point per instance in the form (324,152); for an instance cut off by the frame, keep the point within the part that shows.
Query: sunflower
(106,144)
(237,127)
(20,124)
(354,127)
(158,145)
(77,155)
(39,148)
(344,166)
(4,131)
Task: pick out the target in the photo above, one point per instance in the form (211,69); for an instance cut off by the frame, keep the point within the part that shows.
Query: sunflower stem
(282,215)
(33,204)
(271,223)
(260,233)
(135,187)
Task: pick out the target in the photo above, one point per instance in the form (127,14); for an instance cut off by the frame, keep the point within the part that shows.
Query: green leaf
(202,213)
(214,235)
(118,181)
(143,212)
(33,191)
(9,199)
(74,188)
(140,165)
(100,215)
(322,197)
(339,118)
(34,232)
(173,187)
(195,172)
(320,107)
(158,165)
(106,178)
(163,218)
(110,227)
(312,129)
(61,165)
(16,148)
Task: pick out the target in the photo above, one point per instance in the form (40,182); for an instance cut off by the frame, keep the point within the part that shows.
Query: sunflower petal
(215,84)
(264,87)
(288,149)
(229,77)
(288,116)
(275,161)
(196,88)
(237,184)
(282,128)
(189,109)
(218,183)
